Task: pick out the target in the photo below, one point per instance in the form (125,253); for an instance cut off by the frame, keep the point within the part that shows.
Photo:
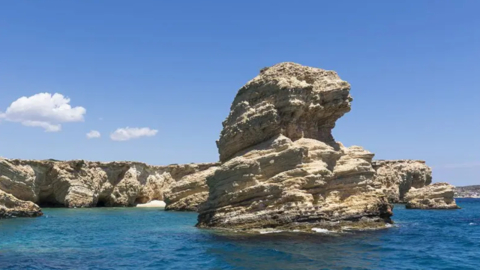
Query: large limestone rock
(435,196)
(289,99)
(281,166)
(396,177)
(87,184)
(13,207)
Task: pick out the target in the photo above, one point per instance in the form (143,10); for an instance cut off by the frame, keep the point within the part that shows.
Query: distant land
(467,192)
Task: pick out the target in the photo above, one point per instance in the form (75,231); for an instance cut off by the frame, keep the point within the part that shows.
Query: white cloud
(43,110)
(93,134)
(125,134)
(45,125)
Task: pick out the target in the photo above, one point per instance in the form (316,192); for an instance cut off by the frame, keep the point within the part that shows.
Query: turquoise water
(131,238)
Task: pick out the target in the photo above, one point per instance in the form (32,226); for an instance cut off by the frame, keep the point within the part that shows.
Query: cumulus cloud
(125,134)
(43,110)
(93,134)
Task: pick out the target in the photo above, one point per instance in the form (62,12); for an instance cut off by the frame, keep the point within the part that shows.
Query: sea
(146,238)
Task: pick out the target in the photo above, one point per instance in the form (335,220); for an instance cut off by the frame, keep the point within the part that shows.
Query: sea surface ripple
(139,238)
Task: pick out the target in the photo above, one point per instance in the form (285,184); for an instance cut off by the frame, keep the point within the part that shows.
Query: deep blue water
(132,238)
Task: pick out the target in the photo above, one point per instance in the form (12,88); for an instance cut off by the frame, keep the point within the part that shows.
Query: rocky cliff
(281,167)
(88,184)
(13,207)
(435,196)
(288,99)
(396,177)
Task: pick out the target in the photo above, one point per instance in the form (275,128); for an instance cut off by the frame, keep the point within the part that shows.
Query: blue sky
(175,66)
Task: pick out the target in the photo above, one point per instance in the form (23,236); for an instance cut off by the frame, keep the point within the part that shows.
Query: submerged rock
(396,177)
(13,207)
(281,166)
(81,183)
(434,196)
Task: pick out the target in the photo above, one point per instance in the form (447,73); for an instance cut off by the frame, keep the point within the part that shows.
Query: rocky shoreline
(80,183)
(467,192)
(13,207)
(280,168)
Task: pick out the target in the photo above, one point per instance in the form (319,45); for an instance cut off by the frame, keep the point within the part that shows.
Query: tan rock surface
(13,207)
(281,166)
(289,99)
(396,177)
(434,196)
(190,191)
(87,184)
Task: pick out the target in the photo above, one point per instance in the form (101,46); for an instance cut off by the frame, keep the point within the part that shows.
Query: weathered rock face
(435,196)
(281,166)
(288,99)
(189,192)
(13,207)
(396,177)
(88,184)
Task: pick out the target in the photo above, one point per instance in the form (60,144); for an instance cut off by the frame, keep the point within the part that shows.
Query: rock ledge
(434,196)
(13,207)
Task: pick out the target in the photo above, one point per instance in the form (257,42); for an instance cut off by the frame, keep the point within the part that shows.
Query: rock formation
(87,184)
(281,166)
(434,196)
(396,177)
(189,192)
(13,207)
(289,99)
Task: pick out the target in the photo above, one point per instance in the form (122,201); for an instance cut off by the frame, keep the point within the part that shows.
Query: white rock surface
(153,204)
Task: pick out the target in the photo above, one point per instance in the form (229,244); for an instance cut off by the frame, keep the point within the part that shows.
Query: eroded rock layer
(281,166)
(188,193)
(13,207)
(289,99)
(88,184)
(434,196)
(396,177)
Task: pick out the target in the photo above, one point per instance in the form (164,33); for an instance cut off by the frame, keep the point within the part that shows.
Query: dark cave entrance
(49,201)
(50,204)
(141,200)
(101,203)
